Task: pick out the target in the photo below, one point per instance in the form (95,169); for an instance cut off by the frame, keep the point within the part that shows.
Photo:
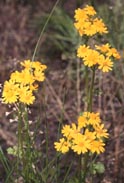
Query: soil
(18,39)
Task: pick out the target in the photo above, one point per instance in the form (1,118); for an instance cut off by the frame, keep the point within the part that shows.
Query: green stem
(90,101)
(41,34)
(91,92)
(27,165)
(85,167)
(80,168)
(86,88)
(20,140)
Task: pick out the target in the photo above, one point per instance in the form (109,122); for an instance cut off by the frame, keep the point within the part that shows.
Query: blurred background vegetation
(21,22)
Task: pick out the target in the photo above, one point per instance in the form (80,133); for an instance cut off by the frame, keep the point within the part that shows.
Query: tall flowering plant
(19,91)
(87,137)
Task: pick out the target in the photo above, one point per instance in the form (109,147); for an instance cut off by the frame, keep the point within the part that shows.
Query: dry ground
(17,43)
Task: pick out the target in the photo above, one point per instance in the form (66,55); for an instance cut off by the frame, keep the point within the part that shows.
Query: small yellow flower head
(108,51)
(66,131)
(94,119)
(105,64)
(80,144)
(21,85)
(62,146)
(26,96)
(97,147)
(82,121)
(86,23)
(100,131)
(10,92)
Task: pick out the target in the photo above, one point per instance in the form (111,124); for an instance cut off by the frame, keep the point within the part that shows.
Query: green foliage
(61,35)
(98,168)
(114,18)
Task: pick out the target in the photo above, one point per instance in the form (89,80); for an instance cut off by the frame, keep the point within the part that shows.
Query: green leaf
(99,167)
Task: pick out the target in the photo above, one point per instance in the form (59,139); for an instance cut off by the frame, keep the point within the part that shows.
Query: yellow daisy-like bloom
(103,48)
(100,131)
(94,119)
(82,51)
(66,131)
(105,64)
(82,122)
(90,10)
(62,146)
(97,147)
(39,75)
(100,26)
(80,144)
(10,92)
(27,97)
(27,64)
(108,51)
(75,130)
(91,58)
(113,52)
(89,55)
(90,135)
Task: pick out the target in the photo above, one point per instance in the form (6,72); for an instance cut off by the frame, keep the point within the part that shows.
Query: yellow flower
(82,121)
(26,96)
(39,75)
(103,48)
(91,58)
(62,146)
(27,64)
(75,130)
(82,51)
(86,115)
(80,144)
(80,15)
(100,26)
(70,131)
(113,52)
(100,131)
(90,135)
(66,131)
(90,10)
(94,119)
(38,66)
(97,147)
(10,92)
(106,48)
(105,64)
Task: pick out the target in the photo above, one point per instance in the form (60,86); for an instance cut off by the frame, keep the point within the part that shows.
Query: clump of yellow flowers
(87,23)
(87,136)
(22,84)
(99,55)
(89,133)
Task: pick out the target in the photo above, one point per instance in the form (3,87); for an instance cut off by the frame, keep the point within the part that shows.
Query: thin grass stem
(43,29)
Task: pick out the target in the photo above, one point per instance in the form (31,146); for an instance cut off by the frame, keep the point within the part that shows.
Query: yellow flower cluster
(86,136)
(87,23)
(102,56)
(21,84)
